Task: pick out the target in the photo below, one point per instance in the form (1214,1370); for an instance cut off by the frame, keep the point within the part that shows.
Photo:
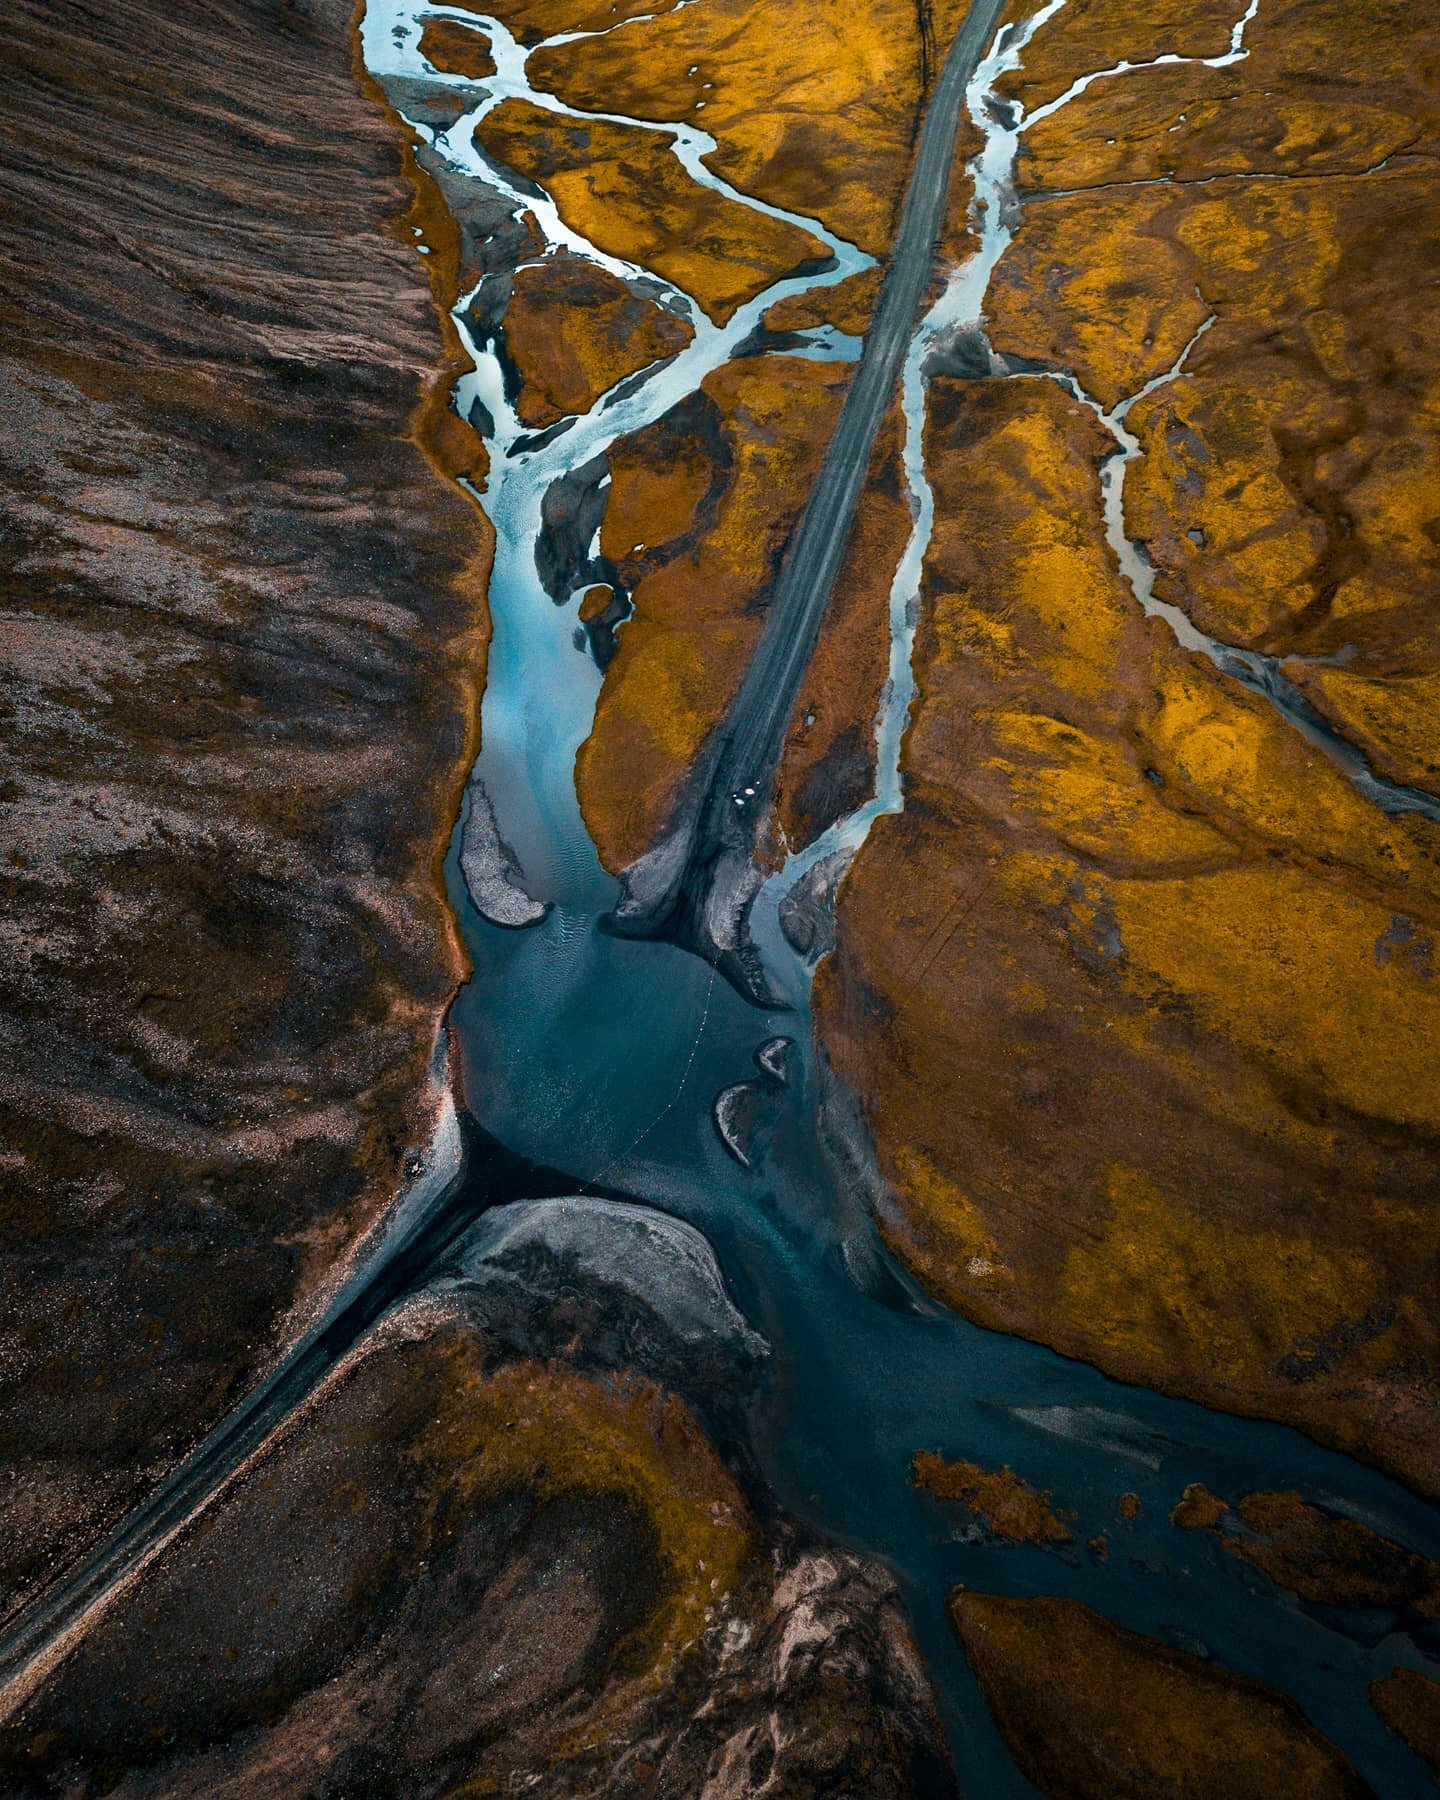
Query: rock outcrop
(482,1572)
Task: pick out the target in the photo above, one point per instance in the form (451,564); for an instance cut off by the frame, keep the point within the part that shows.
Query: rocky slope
(472,1567)
(243,633)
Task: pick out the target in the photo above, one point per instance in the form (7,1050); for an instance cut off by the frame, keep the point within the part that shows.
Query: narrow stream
(602,1056)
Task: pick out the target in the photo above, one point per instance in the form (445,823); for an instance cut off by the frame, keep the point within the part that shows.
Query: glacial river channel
(592,1063)
(602,1057)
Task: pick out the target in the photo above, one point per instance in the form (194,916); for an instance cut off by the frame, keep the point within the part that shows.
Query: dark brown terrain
(1093,1712)
(242,640)
(463,1572)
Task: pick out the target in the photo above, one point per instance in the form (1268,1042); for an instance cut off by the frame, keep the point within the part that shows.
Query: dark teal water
(601,1056)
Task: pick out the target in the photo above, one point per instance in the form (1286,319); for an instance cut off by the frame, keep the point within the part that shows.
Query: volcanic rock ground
(244,625)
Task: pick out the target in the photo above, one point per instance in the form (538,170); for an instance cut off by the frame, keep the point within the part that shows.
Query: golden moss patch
(1009,1506)
(548,1432)
(812,103)
(848,306)
(1291,971)
(622,188)
(1139,1281)
(700,507)
(1288,491)
(456,49)
(1144,1026)
(532,20)
(573,330)
(1093,1712)
(1199,1509)
(1322,90)
(1395,719)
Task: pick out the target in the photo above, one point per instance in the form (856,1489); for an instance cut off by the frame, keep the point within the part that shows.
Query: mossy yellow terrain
(1289,486)
(1006,1503)
(1094,1712)
(700,507)
(573,330)
(545,1431)
(621,187)
(1409,1703)
(812,104)
(1146,1034)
